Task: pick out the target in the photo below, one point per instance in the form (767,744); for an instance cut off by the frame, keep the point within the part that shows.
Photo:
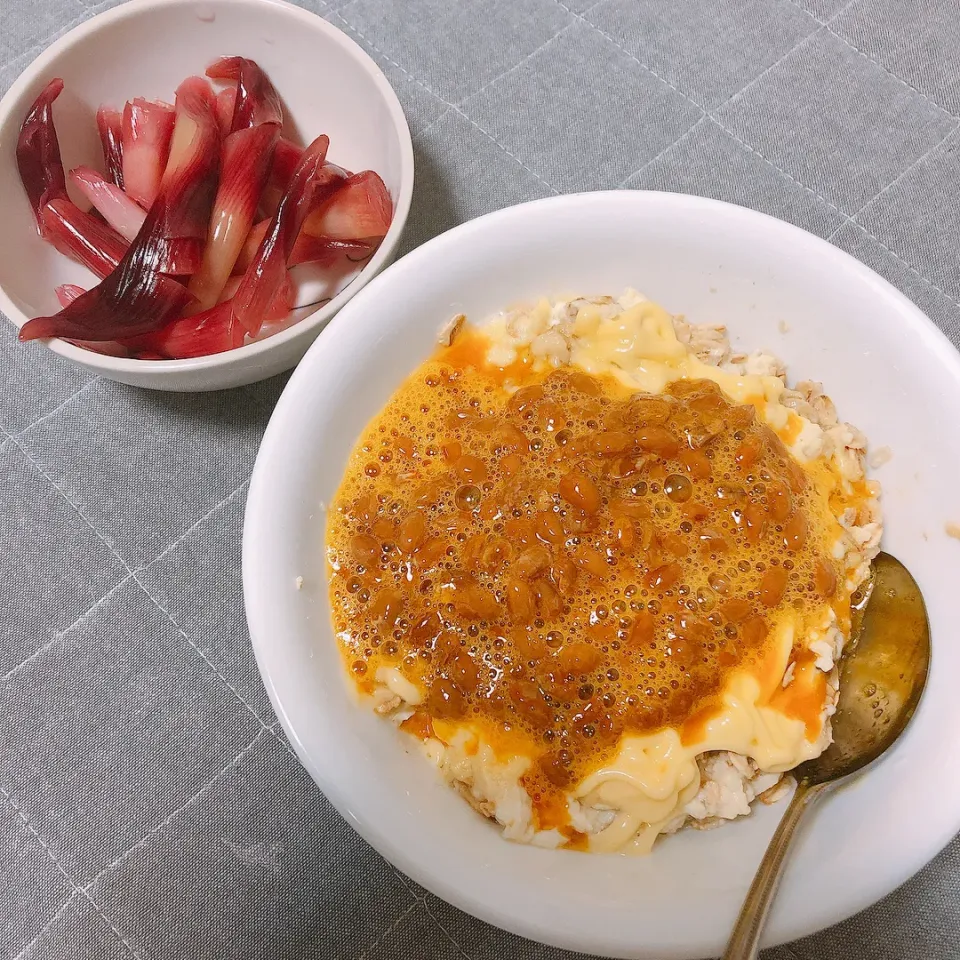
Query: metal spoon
(882,675)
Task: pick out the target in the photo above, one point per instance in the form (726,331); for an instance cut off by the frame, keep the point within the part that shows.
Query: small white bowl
(889,370)
(144,49)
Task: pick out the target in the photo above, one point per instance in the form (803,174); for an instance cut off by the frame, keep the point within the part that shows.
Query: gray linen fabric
(149,807)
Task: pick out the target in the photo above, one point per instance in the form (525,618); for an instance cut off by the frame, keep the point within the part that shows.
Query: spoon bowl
(881,677)
(883,673)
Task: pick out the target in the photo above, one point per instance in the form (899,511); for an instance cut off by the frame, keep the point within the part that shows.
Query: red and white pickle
(202,211)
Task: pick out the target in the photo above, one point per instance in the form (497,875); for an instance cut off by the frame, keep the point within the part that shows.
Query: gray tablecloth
(149,807)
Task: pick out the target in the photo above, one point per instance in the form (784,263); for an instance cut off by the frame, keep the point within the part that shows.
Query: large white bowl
(889,370)
(144,49)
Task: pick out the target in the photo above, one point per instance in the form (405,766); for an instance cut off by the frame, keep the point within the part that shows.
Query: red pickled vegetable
(38,152)
(326,252)
(68,292)
(132,300)
(136,298)
(179,256)
(269,201)
(175,229)
(247,156)
(230,288)
(122,213)
(285,160)
(360,210)
(251,245)
(257,100)
(226,103)
(300,254)
(187,184)
(110,127)
(146,131)
(212,331)
(190,179)
(107,348)
(264,276)
(282,304)
(81,237)
(283,301)
(98,247)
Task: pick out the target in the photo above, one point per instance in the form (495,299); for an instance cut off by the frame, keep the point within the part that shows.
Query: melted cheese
(399,685)
(640,347)
(653,777)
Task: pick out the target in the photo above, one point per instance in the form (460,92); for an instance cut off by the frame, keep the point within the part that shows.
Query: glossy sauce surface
(568,562)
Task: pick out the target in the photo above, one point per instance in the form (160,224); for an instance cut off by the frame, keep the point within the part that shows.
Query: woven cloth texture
(150,808)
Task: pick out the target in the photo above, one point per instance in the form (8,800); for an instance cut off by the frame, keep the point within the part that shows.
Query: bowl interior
(146,49)
(889,371)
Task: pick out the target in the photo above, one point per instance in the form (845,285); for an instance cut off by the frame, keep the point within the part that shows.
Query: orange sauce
(803,698)
(564,563)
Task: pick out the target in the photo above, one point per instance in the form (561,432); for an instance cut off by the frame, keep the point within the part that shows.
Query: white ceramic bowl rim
(401,206)
(937,829)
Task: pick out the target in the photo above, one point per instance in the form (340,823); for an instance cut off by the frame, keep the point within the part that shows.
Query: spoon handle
(745,940)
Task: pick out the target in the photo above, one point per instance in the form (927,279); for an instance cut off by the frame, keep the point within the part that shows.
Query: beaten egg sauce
(606,582)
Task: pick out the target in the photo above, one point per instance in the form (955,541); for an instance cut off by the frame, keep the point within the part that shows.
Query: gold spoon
(882,675)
